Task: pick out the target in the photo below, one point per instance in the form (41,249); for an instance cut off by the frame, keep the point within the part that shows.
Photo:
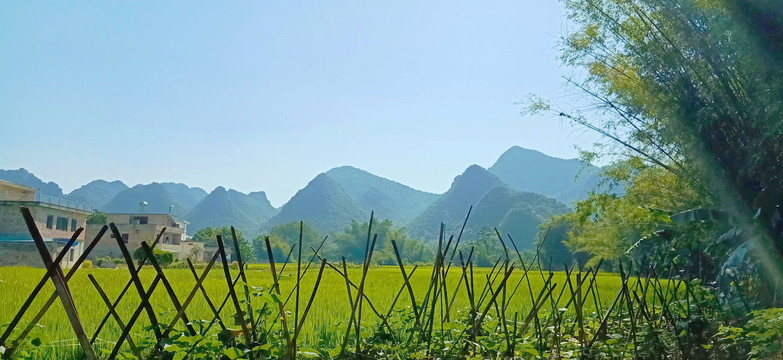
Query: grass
(331,305)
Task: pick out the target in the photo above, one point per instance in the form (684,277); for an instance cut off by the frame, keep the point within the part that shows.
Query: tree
(688,87)
(553,240)
(488,248)
(97,217)
(164,258)
(353,241)
(283,237)
(352,244)
(196,254)
(412,251)
(209,237)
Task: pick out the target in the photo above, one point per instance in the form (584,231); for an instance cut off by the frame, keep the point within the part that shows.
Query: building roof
(24,187)
(143,214)
(80,208)
(22,238)
(137,213)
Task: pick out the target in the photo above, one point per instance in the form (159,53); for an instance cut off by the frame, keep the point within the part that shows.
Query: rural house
(137,227)
(56,219)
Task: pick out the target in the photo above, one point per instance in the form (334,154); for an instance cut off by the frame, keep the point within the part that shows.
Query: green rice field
(330,309)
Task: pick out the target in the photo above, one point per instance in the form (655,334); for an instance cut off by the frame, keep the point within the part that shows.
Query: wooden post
(60,284)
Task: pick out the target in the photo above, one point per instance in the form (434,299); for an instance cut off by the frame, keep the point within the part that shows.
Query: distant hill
(24,177)
(389,199)
(533,171)
(452,207)
(495,205)
(323,203)
(515,213)
(505,195)
(224,207)
(159,196)
(97,193)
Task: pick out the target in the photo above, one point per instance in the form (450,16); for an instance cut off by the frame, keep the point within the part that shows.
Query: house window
(166,241)
(73,224)
(141,220)
(62,223)
(124,237)
(72,252)
(49,221)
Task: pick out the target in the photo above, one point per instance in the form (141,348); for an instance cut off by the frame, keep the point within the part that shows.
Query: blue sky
(265,95)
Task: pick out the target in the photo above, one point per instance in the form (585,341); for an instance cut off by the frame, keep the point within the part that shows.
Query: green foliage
(350,243)
(164,258)
(609,227)
(283,237)
(97,217)
(116,261)
(688,92)
(553,240)
(353,241)
(209,237)
(764,332)
(488,249)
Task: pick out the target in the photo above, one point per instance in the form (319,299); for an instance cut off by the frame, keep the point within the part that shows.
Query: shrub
(164,258)
(87,264)
(107,259)
(765,333)
(179,265)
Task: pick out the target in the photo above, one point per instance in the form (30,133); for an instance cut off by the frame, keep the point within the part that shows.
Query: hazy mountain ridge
(26,178)
(389,199)
(514,213)
(246,212)
(452,207)
(495,204)
(515,195)
(174,198)
(323,203)
(97,193)
(566,180)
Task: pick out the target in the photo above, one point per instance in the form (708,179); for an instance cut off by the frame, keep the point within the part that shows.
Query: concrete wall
(185,249)
(26,254)
(11,192)
(209,252)
(12,222)
(152,219)
(107,246)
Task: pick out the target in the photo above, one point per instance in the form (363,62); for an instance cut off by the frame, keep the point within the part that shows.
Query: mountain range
(566,180)
(24,177)
(176,199)
(223,207)
(389,199)
(519,191)
(97,193)
(323,203)
(495,204)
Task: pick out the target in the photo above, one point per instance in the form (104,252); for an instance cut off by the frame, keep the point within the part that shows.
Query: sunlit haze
(266,95)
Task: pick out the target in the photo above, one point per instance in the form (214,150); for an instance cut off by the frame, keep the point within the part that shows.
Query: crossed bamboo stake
(60,281)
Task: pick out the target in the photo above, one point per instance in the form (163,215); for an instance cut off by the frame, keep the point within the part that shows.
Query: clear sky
(264,95)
